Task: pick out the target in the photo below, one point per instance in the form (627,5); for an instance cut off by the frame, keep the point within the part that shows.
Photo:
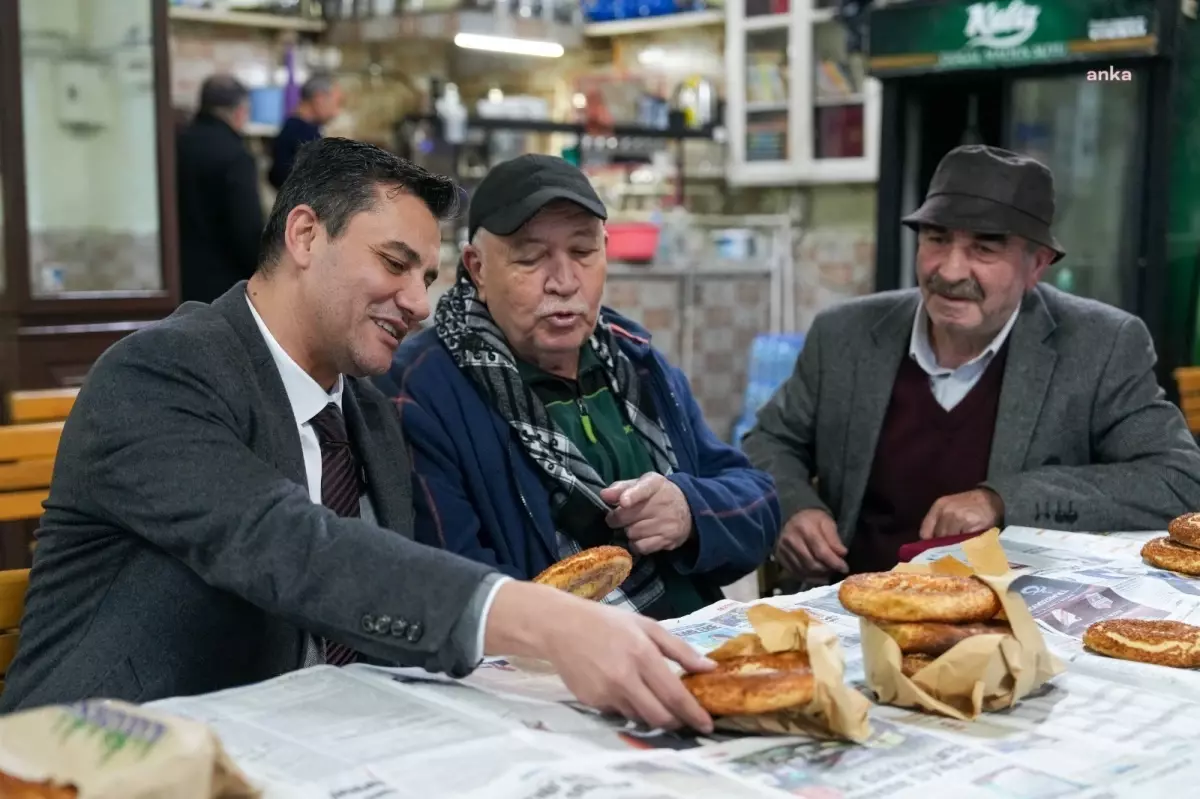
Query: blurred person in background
(320,102)
(220,211)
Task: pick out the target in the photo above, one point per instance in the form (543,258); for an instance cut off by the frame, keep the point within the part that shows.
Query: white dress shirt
(951,385)
(307,399)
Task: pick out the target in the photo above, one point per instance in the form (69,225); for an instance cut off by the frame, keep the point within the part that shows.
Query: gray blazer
(180,553)
(1084,439)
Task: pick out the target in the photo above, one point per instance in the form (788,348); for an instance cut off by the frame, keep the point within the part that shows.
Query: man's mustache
(967,289)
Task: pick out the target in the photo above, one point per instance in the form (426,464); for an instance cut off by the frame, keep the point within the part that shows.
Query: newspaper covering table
(1105,728)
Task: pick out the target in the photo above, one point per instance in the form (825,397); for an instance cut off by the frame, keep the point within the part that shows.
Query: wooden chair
(47,405)
(1187,378)
(26,464)
(13,584)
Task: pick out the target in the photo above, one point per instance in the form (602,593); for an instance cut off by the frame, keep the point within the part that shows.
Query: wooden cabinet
(800,108)
(87,172)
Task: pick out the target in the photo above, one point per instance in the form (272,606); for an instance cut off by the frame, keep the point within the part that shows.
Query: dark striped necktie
(341,490)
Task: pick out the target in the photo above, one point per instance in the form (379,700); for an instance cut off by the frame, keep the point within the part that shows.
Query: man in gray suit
(980,399)
(231,498)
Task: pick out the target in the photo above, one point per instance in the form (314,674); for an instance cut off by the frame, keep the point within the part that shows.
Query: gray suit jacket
(180,553)
(1084,439)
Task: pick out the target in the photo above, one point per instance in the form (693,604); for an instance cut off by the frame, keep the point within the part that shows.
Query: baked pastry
(591,574)
(1163,643)
(1168,554)
(934,638)
(754,684)
(907,596)
(1185,530)
(14,788)
(911,664)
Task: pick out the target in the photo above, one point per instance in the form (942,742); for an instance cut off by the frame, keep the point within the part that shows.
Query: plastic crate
(772,361)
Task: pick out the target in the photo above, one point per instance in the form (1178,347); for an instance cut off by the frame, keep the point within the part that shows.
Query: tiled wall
(93,259)
(727,313)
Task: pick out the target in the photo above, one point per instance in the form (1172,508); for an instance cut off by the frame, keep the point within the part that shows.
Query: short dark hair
(221,93)
(338,178)
(319,83)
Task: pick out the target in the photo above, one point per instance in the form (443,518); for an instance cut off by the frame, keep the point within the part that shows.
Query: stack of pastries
(1179,550)
(925,614)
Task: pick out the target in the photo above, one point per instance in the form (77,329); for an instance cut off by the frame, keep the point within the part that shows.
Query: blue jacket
(477,493)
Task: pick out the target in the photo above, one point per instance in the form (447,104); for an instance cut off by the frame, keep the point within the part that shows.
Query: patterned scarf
(478,347)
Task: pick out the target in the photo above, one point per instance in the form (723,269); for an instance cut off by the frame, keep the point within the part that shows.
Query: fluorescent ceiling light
(504,44)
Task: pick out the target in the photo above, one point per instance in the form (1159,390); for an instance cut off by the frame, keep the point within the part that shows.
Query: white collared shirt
(951,385)
(307,399)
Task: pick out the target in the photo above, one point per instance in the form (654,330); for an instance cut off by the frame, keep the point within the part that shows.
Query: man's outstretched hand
(613,660)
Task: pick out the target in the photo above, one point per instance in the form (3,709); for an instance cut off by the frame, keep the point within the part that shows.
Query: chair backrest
(1187,378)
(13,585)
(43,405)
(26,465)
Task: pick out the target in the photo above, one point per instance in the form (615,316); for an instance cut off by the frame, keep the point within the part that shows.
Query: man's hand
(611,659)
(959,514)
(809,544)
(653,511)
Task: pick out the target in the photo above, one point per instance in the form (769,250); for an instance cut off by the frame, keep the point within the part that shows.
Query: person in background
(542,423)
(981,399)
(320,102)
(231,499)
(220,209)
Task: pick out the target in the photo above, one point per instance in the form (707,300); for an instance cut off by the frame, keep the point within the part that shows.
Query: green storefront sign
(959,34)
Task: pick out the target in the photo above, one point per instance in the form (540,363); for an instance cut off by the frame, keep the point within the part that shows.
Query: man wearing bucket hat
(542,423)
(982,398)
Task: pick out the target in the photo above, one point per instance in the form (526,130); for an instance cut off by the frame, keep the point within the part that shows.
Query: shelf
(663,22)
(548,126)
(245,19)
(833,102)
(766,107)
(445,26)
(767,22)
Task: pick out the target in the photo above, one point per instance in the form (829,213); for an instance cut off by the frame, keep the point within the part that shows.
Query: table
(1105,728)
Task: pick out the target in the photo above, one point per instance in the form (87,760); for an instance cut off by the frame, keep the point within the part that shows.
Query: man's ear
(473,260)
(300,234)
(1041,259)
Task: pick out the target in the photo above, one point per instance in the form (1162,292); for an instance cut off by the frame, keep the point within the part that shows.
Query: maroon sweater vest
(924,453)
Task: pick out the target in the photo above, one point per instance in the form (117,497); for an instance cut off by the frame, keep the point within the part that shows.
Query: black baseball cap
(514,191)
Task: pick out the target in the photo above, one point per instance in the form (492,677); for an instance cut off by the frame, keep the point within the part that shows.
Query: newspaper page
(1074,737)
(331,730)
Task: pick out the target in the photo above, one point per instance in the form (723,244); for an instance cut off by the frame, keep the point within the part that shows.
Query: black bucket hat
(989,190)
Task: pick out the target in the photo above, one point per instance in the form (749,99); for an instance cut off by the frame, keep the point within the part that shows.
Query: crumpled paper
(107,749)
(836,711)
(982,673)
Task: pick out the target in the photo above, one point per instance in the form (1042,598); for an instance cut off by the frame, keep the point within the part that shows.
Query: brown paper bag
(836,711)
(986,672)
(114,750)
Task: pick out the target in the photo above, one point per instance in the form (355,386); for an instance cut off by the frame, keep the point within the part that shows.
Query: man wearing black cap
(981,399)
(542,424)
